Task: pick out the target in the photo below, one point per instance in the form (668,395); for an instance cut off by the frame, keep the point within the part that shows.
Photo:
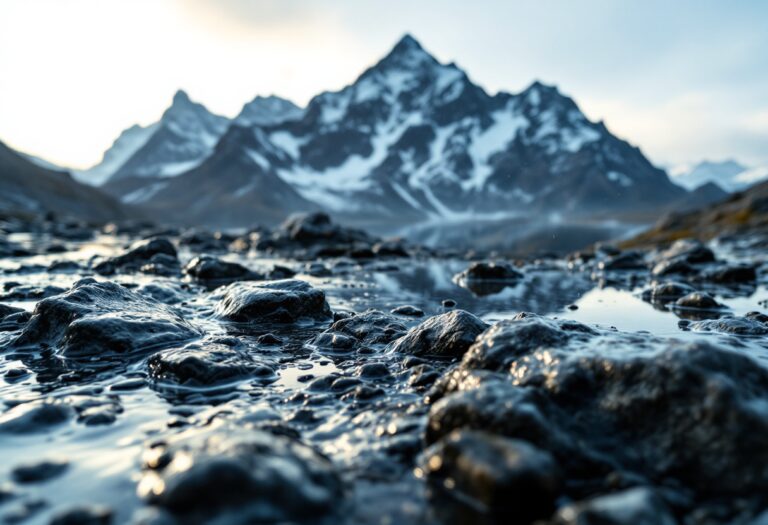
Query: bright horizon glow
(683,82)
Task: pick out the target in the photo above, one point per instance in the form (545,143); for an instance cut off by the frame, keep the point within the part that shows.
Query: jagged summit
(411,138)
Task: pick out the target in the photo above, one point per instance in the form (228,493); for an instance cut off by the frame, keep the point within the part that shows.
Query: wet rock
(284,301)
(15,321)
(161,264)
(690,251)
(636,506)
(732,275)
(732,325)
(506,341)
(240,478)
(26,292)
(666,292)
(504,476)
(138,255)
(317,269)
(64,267)
(91,515)
(34,416)
(315,235)
(372,327)
(490,271)
(6,310)
(623,261)
(449,303)
(166,293)
(215,272)
(657,418)
(40,471)
(673,267)
(200,364)
(330,340)
(699,301)
(408,310)
(100,318)
(446,335)
(205,241)
(390,248)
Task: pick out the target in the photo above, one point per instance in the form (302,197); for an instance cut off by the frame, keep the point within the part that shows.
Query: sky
(684,80)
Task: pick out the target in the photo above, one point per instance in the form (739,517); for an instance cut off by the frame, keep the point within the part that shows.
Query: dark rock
(390,248)
(241,477)
(200,364)
(624,261)
(408,310)
(732,275)
(505,476)
(372,327)
(666,292)
(446,335)
(690,251)
(699,301)
(732,325)
(213,271)
(673,267)
(490,271)
(26,292)
(285,301)
(6,310)
(653,417)
(161,264)
(138,255)
(41,471)
(98,318)
(449,303)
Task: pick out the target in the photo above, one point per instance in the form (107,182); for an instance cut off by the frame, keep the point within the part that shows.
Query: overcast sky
(684,80)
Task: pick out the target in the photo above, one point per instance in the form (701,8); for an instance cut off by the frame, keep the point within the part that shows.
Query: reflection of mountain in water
(426,284)
(518,235)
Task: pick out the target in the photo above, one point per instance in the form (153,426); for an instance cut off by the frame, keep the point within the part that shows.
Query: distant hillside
(27,188)
(743,213)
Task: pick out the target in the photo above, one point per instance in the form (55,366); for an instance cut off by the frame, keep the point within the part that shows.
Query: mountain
(185,135)
(413,139)
(27,188)
(123,148)
(728,174)
(268,111)
(743,213)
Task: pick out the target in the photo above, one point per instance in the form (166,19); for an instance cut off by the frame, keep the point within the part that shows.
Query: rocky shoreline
(318,374)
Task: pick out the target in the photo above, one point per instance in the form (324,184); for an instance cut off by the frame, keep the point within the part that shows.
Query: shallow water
(361,437)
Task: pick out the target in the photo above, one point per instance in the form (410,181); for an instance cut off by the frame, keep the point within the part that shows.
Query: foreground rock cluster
(264,389)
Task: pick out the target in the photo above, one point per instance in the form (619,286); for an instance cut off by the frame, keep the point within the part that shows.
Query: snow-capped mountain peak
(268,111)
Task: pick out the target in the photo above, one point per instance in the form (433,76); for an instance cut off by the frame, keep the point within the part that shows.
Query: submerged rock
(446,335)
(241,477)
(39,471)
(101,318)
(284,301)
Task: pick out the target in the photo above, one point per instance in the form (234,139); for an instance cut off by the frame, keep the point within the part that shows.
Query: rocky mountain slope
(27,188)
(413,139)
(743,214)
(180,140)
